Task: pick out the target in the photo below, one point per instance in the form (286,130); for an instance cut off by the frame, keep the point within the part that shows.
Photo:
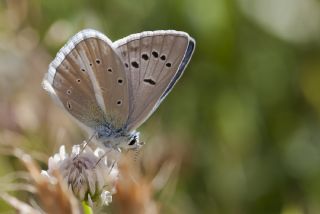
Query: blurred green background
(243,120)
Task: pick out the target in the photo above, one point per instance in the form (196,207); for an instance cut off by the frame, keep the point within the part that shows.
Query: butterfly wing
(154,61)
(87,78)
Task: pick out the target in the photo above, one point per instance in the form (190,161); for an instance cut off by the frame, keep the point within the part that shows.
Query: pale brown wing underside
(119,84)
(75,91)
(111,81)
(154,61)
(89,79)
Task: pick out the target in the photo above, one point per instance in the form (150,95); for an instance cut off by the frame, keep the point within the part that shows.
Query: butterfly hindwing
(154,62)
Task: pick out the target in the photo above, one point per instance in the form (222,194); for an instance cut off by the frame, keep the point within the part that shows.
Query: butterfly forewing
(89,80)
(74,89)
(111,81)
(154,65)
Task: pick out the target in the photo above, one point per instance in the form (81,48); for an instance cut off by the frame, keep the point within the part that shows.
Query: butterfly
(111,88)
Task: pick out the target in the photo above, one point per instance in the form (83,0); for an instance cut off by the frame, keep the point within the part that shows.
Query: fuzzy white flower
(88,173)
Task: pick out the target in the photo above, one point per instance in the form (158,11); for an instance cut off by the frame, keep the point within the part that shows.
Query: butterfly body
(111,88)
(116,138)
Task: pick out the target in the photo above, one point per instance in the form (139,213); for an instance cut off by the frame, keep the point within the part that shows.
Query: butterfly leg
(111,152)
(85,145)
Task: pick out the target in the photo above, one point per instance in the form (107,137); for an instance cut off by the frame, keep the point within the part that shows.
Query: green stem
(86,209)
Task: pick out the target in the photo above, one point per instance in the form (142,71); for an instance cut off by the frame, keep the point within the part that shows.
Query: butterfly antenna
(136,154)
(137,151)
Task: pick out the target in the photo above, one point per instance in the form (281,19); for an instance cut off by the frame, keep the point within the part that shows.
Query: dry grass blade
(20,206)
(134,192)
(53,194)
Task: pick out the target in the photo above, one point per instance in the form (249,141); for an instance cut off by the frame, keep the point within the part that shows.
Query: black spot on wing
(155,54)
(163,57)
(145,56)
(135,64)
(150,81)
(69,105)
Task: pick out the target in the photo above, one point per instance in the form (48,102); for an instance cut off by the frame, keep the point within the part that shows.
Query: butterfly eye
(132,142)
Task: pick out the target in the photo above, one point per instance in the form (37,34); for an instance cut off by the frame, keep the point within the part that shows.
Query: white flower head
(88,173)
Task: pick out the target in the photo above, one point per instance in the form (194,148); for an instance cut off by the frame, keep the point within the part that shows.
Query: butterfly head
(123,142)
(133,142)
